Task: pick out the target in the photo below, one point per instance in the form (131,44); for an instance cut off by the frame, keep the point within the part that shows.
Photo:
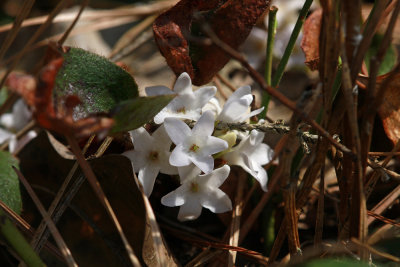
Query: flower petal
(165,166)
(137,158)
(213,145)
(240,93)
(203,95)
(161,139)
(147,177)
(216,201)
(177,130)
(206,164)
(179,157)
(188,172)
(262,154)
(141,139)
(158,90)
(205,125)
(175,198)
(189,211)
(216,178)
(183,84)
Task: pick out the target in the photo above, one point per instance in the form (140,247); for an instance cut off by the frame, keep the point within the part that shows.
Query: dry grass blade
(53,229)
(129,37)
(28,229)
(358,208)
(87,170)
(319,223)
(386,202)
(68,31)
(383,219)
(38,239)
(236,216)
(375,251)
(25,9)
(90,15)
(35,36)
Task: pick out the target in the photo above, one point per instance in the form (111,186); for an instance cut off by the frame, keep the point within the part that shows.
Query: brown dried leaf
(310,41)
(177,33)
(38,95)
(389,111)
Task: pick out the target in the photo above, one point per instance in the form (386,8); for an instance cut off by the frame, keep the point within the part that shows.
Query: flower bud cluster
(195,149)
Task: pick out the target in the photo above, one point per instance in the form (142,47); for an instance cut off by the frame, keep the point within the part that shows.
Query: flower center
(194,148)
(153,155)
(194,187)
(181,110)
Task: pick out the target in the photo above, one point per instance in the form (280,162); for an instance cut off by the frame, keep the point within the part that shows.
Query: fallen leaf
(389,111)
(177,33)
(310,41)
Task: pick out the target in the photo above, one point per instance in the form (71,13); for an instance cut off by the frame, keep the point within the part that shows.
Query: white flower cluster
(195,149)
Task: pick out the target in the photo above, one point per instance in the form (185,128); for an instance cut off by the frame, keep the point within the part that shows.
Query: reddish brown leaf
(310,41)
(389,111)
(38,95)
(177,31)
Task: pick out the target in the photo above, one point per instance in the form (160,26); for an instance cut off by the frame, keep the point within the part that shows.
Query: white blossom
(187,104)
(251,154)
(14,122)
(194,145)
(198,191)
(236,108)
(150,156)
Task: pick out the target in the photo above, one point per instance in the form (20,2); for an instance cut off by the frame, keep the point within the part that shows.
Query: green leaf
(388,61)
(334,263)
(99,83)
(10,193)
(133,113)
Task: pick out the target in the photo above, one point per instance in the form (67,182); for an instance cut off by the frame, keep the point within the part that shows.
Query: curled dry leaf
(180,39)
(38,95)
(310,41)
(389,111)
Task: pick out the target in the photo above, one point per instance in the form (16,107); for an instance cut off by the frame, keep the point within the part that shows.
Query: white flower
(236,108)
(198,191)
(187,104)
(194,145)
(13,122)
(251,154)
(150,156)
(18,118)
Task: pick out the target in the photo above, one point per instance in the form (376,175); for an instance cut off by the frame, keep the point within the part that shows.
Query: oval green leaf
(10,192)
(99,83)
(133,113)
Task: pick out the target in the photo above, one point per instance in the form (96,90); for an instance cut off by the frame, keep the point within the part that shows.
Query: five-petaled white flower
(187,104)
(198,191)
(236,108)
(251,154)
(150,156)
(194,145)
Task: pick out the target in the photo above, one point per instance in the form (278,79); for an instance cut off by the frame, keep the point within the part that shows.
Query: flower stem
(268,58)
(292,41)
